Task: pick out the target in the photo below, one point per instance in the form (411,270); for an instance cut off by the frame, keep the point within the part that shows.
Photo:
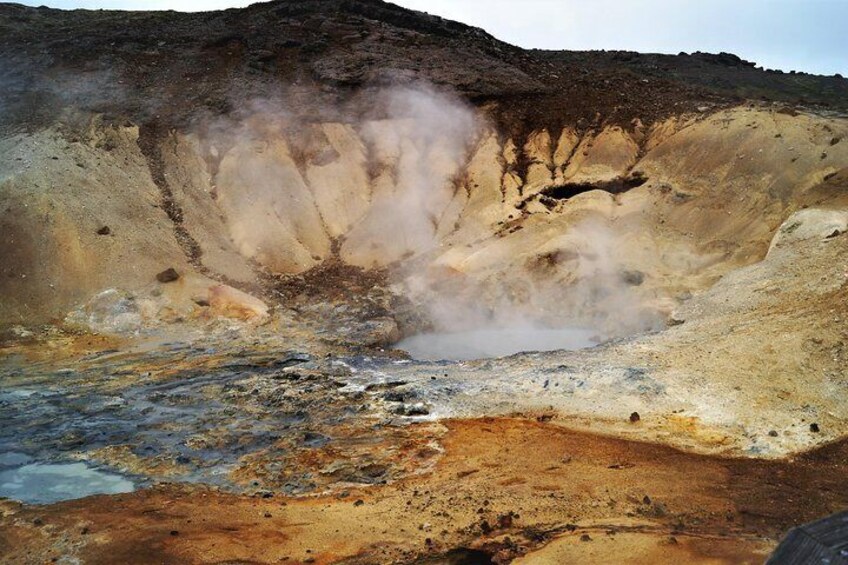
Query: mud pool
(500,342)
(241,421)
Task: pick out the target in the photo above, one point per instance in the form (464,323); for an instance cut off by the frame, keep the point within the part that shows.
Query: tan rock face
(538,153)
(411,193)
(271,213)
(715,191)
(191,183)
(569,139)
(602,157)
(57,192)
(337,175)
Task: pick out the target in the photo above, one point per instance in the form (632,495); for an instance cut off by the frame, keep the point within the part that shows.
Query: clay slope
(99,102)
(712,190)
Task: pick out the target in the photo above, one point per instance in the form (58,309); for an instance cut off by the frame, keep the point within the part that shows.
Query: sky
(802,35)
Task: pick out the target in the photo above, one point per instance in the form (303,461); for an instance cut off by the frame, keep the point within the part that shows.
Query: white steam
(605,290)
(383,187)
(417,151)
(586,280)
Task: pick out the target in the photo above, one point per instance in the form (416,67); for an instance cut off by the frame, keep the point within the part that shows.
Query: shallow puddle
(39,483)
(481,344)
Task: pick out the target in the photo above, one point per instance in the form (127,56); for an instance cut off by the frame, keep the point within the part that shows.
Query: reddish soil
(503,486)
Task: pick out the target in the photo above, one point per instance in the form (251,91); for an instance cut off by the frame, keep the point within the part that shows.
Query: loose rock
(168,275)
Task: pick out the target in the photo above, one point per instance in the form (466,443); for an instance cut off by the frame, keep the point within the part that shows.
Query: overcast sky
(804,35)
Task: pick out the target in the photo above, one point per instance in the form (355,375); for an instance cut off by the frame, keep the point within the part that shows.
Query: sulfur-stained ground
(505,487)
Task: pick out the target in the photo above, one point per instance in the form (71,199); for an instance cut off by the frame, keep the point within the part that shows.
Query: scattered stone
(111,311)
(505,521)
(359,502)
(314,439)
(632,278)
(624,465)
(21,332)
(585,537)
(772,433)
(658,510)
(634,417)
(398,395)
(175,533)
(412,410)
(374,470)
(383,386)
(814,428)
(105,230)
(168,275)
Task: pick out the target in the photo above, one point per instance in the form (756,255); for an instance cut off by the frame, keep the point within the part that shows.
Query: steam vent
(334,281)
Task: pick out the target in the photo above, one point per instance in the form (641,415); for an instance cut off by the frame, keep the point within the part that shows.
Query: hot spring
(41,483)
(495,342)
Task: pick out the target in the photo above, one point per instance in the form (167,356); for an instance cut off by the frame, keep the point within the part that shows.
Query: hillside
(159,66)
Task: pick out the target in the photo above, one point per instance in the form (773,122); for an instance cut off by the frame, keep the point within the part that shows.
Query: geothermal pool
(38,483)
(500,342)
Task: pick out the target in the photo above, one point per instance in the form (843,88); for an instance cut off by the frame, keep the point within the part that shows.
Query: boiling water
(480,344)
(38,483)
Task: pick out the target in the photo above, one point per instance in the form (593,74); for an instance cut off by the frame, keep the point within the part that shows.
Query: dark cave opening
(614,186)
